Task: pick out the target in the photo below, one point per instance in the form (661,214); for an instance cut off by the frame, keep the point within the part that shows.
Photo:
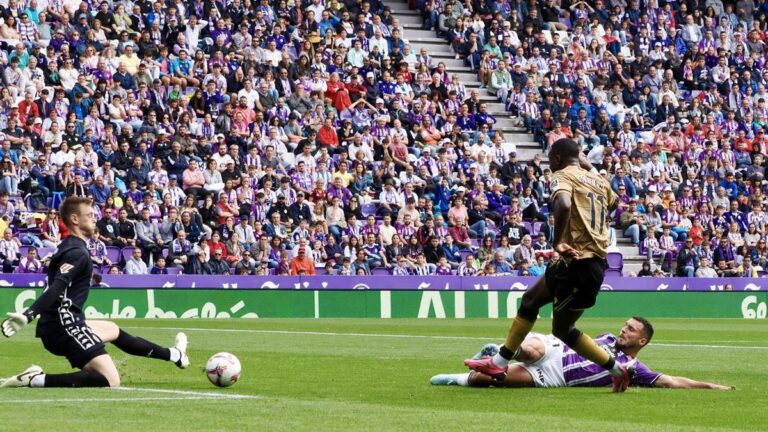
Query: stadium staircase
(441,52)
(527,148)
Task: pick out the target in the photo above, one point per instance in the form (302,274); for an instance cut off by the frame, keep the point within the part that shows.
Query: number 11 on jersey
(597,223)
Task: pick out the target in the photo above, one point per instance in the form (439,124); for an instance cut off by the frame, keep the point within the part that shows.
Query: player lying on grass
(62,326)
(545,361)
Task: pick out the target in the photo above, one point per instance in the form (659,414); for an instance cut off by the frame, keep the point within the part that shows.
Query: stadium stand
(361,137)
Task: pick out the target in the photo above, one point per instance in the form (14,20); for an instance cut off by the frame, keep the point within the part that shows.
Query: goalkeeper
(62,326)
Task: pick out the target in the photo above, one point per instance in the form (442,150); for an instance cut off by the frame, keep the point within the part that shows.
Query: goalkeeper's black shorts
(78,343)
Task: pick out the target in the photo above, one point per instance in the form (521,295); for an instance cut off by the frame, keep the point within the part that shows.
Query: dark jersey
(68,284)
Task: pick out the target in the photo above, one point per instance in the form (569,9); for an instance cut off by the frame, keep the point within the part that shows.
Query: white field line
(107,399)
(174,395)
(187,393)
(406,336)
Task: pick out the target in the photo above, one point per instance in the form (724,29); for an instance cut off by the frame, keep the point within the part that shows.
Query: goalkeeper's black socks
(137,346)
(84,378)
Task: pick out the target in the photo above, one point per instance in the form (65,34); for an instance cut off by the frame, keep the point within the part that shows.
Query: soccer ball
(223,369)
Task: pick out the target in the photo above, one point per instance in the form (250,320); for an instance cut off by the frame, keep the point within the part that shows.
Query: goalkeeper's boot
(181,346)
(488,367)
(23,379)
(620,383)
(489,350)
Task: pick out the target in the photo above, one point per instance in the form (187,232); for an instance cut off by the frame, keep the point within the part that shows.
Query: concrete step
(634,258)
(416,33)
(525,155)
(430,39)
(508,129)
(633,267)
(411,26)
(454,68)
(507,122)
(437,48)
(520,137)
(409,19)
(398,7)
(628,250)
(404,11)
(484,96)
(451,63)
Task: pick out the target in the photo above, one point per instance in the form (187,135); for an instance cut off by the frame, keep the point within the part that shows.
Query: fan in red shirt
(301,264)
(327,134)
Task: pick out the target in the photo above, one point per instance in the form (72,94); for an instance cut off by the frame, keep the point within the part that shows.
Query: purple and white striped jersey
(580,372)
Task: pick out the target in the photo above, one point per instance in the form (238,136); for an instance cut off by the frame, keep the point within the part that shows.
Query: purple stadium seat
(368,209)
(126,253)
(612,272)
(113,253)
(173,270)
(44,252)
(464,253)
(528,226)
(615,261)
(380,271)
(536,228)
(23,250)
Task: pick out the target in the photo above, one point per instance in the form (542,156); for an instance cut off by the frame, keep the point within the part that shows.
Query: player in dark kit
(62,326)
(581,200)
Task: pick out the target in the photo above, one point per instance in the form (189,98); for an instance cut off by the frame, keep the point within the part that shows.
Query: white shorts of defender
(548,370)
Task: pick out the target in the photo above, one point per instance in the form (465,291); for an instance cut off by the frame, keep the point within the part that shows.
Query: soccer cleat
(489,350)
(181,345)
(23,379)
(620,383)
(444,380)
(488,367)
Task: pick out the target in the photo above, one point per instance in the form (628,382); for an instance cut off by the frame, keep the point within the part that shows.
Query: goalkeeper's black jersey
(69,280)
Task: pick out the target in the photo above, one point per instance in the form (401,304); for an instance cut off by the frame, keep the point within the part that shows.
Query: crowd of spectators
(274,137)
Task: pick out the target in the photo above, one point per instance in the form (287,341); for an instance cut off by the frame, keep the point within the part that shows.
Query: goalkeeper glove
(15,322)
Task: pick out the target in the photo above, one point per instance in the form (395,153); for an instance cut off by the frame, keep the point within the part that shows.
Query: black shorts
(577,284)
(78,343)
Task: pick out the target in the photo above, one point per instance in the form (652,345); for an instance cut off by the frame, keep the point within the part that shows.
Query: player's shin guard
(84,378)
(137,346)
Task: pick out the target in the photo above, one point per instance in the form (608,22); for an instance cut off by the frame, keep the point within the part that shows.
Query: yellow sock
(517,333)
(587,348)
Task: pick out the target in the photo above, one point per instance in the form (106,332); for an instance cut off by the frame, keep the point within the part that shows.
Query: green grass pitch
(373,375)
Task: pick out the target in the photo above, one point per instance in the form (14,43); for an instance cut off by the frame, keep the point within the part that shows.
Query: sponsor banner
(111,303)
(405,283)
